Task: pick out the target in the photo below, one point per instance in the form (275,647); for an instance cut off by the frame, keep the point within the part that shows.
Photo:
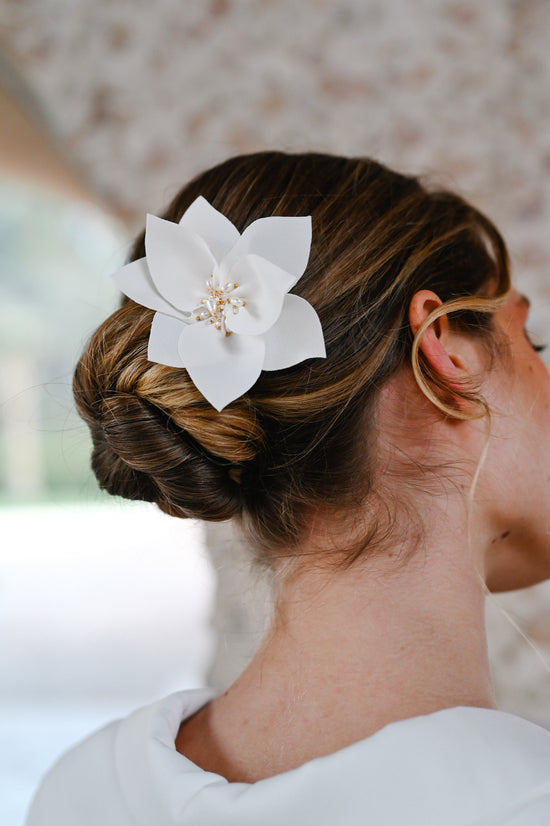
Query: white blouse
(457,767)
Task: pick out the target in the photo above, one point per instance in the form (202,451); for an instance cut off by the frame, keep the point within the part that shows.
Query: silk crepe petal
(286,242)
(217,230)
(134,280)
(263,286)
(297,335)
(221,367)
(164,340)
(179,262)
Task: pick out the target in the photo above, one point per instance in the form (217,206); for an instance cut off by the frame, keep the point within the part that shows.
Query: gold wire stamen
(214,309)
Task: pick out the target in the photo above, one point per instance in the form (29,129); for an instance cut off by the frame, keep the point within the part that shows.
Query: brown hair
(296,441)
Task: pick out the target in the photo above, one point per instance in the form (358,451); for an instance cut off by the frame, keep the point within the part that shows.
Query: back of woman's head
(301,440)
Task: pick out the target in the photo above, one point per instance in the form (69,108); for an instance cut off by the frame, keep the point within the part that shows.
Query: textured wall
(145,94)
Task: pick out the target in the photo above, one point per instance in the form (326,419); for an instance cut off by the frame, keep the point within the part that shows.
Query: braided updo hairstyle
(298,440)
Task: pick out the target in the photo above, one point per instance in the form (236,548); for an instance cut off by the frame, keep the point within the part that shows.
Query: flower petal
(164,339)
(217,230)
(134,280)
(297,335)
(179,262)
(262,285)
(286,242)
(221,367)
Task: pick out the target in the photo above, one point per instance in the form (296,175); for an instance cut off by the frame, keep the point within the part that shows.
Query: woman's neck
(348,653)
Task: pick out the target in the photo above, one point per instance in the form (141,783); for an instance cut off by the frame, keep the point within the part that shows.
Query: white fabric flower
(222,306)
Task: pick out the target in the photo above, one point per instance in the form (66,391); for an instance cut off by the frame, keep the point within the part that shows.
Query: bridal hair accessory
(221,298)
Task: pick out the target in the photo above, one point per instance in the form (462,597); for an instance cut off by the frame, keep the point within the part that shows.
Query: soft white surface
(102,607)
(458,767)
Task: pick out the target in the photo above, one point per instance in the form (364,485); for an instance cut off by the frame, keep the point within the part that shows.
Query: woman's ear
(435,341)
(449,353)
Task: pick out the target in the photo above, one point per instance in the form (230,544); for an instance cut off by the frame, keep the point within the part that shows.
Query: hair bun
(140,453)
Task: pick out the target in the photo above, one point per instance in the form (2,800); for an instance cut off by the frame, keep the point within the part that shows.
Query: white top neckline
(419,759)
(461,766)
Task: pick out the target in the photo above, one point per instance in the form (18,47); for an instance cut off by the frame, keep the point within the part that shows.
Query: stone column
(242,606)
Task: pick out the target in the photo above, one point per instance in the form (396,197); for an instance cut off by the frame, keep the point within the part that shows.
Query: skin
(401,633)
(517,467)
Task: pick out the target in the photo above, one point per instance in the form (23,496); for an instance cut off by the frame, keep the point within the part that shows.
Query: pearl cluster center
(219,303)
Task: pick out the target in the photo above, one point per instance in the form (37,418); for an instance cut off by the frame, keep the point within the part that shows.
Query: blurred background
(106,109)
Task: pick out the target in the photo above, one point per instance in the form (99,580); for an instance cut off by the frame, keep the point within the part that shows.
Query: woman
(387,486)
